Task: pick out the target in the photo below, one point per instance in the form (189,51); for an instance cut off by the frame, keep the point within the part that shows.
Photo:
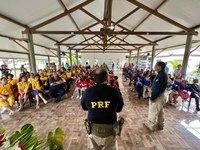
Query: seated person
(38,88)
(178,78)
(24,91)
(174,94)
(183,90)
(6,96)
(196,92)
(56,89)
(146,86)
(139,87)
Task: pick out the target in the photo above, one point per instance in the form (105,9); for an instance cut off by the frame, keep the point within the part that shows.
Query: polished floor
(181,132)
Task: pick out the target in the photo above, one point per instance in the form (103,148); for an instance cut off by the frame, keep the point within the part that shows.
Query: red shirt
(84,84)
(116,85)
(78,83)
(91,84)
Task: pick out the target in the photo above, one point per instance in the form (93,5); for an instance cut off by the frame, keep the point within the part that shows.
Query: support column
(59,57)
(29,60)
(129,58)
(14,68)
(31,53)
(152,56)
(49,61)
(186,55)
(77,57)
(138,55)
(70,57)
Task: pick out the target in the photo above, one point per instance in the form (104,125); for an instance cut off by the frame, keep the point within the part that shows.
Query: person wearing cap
(157,101)
(102,103)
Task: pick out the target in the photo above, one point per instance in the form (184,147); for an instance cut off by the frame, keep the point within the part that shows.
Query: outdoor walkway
(182,130)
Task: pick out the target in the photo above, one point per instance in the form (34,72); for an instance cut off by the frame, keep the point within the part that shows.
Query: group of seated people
(53,83)
(142,80)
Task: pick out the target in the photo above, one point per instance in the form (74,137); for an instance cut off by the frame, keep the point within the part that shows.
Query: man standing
(102,103)
(157,100)
(56,87)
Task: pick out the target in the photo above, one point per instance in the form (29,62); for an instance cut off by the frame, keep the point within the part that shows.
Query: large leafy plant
(25,139)
(55,140)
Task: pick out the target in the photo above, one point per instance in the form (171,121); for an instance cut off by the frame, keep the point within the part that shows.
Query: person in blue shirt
(196,92)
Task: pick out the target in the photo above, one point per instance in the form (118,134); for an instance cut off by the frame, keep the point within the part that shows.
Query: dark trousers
(140,91)
(197,97)
(57,92)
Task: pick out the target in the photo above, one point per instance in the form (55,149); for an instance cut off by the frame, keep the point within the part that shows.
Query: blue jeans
(197,97)
(57,92)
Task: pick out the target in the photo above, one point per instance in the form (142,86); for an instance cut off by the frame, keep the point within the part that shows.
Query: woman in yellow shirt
(6,96)
(38,88)
(24,91)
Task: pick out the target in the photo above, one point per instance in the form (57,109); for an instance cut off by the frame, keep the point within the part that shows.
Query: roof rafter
(163,17)
(65,13)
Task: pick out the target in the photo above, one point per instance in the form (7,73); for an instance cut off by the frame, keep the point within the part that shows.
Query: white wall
(102,57)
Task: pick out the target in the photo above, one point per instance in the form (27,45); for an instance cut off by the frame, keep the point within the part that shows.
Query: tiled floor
(182,128)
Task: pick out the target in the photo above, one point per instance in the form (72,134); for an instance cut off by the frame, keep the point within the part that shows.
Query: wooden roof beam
(114,44)
(116,32)
(65,13)
(163,17)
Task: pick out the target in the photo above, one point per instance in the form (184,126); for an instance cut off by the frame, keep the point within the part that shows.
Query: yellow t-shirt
(74,72)
(44,79)
(49,74)
(23,86)
(69,74)
(31,80)
(13,82)
(37,86)
(79,71)
(6,89)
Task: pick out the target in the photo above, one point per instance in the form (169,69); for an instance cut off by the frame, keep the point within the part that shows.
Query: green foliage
(26,140)
(197,71)
(174,63)
(55,140)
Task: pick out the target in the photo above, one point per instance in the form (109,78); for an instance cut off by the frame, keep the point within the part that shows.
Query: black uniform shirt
(159,84)
(102,102)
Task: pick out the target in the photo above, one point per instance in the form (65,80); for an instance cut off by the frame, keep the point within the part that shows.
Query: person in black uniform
(102,103)
(158,99)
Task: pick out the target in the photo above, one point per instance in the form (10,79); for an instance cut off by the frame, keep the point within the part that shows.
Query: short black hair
(10,75)
(162,64)
(101,76)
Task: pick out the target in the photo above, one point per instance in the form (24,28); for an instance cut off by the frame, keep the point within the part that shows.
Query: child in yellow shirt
(6,96)
(24,91)
(38,88)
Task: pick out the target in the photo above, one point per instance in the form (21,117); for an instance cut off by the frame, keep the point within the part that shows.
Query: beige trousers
(156,113)
(99,143)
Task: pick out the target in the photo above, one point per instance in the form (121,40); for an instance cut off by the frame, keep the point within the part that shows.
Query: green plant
(174,63)
(26,140)
(23,140)
(55,140)
(197,71)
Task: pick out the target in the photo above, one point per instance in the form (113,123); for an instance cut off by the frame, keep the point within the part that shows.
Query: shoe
(160,128)
(45,102)
(20,108)
(72,97)
(148,128)
(11,113)
(198,109)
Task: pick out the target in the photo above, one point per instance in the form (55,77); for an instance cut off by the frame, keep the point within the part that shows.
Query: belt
(102,130)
